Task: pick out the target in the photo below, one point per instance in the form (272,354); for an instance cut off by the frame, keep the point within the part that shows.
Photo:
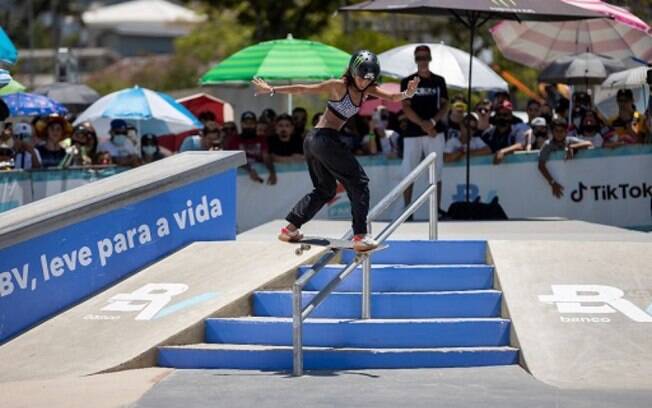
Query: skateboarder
(327,157)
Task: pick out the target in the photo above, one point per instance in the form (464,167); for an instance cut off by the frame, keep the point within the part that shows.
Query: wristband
(405,94)
(433,121)
(271,93)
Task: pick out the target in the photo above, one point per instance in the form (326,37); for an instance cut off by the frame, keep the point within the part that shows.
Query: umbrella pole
(289,104)
(473,20)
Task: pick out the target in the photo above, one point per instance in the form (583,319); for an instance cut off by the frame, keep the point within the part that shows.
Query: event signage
(591,302)
(606,186)
(49,273)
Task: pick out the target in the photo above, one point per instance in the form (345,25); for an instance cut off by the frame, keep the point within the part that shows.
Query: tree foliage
(272,20)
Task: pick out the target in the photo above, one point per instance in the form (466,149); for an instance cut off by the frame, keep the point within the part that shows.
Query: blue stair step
(428,252)
(379,333)
(279,358)
(480,303)
(408,278)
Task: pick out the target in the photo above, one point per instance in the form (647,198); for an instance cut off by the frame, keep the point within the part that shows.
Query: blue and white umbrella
(26,104)
(8,51)
(150,111)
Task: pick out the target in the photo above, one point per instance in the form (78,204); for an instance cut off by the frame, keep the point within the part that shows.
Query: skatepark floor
(486,387)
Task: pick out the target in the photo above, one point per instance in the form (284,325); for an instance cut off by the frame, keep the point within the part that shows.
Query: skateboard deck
(307,242)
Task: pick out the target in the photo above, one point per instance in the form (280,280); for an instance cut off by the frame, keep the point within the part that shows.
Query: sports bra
(344,108)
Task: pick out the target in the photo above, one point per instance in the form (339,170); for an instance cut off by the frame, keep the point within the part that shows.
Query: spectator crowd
(491,129)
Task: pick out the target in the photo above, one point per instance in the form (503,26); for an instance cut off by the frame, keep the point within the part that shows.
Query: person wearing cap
(500,99)
(27,157)
(82,146)
(328,159)
(210,138)
(426,112)
(255,146)
(56,130)
(456,146)
(149,148)
(503,138)
(539,133)
(122,150)
(455,119)
(560,141)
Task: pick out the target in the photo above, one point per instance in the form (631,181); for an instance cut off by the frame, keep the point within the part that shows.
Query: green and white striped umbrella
(280,61)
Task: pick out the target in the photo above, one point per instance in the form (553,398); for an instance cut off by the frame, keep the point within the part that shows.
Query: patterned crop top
(344,108)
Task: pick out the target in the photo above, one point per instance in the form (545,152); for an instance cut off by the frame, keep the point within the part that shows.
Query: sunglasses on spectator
(420,58)
(229,128)
(79,142)
(148,143)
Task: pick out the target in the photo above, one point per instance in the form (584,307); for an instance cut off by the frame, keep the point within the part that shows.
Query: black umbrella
(75,96)
(475,13)
(581,69)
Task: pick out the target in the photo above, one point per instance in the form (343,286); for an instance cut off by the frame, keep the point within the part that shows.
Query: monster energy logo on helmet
(364,64)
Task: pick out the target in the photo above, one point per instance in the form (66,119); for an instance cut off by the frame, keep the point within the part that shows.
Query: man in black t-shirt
(425,111)
(285,145)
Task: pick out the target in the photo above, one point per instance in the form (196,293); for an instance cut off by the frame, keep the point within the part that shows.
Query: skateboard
(307,242)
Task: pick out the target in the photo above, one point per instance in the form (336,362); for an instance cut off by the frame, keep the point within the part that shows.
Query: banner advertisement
(606,186)
(46,274)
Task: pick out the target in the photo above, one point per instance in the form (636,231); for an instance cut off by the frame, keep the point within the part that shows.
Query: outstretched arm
(263,88)
(379,92)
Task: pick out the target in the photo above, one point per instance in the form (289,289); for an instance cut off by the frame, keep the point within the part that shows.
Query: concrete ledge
(88,338)
(84,202)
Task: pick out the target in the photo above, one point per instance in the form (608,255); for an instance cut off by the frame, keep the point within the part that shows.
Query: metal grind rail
(300,313)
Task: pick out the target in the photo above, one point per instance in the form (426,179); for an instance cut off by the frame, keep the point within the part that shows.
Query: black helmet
(364,64)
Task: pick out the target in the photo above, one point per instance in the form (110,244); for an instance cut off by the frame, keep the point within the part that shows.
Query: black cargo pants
(329,161)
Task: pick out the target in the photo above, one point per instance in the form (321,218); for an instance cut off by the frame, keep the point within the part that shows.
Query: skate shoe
(290,236)
(364,243)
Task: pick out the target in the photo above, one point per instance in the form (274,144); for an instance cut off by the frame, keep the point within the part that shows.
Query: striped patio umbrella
(283,60)
(619,35)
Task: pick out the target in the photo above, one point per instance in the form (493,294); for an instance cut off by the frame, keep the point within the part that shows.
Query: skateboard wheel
(305,247)
(298,251)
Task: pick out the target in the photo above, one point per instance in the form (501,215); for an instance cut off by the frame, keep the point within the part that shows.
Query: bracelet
(272,91)
(405,94)
(433,121)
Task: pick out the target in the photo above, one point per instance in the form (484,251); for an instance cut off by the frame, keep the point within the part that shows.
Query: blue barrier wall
(48,273)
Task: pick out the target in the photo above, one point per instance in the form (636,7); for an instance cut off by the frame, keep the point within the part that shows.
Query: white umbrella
(448,62)
(631,78)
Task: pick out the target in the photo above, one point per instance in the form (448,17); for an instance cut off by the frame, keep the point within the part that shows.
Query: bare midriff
(330,121)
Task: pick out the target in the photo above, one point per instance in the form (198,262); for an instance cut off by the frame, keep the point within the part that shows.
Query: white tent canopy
(141,11)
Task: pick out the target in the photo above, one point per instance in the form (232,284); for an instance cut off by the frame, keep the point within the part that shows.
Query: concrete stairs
(433,305)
